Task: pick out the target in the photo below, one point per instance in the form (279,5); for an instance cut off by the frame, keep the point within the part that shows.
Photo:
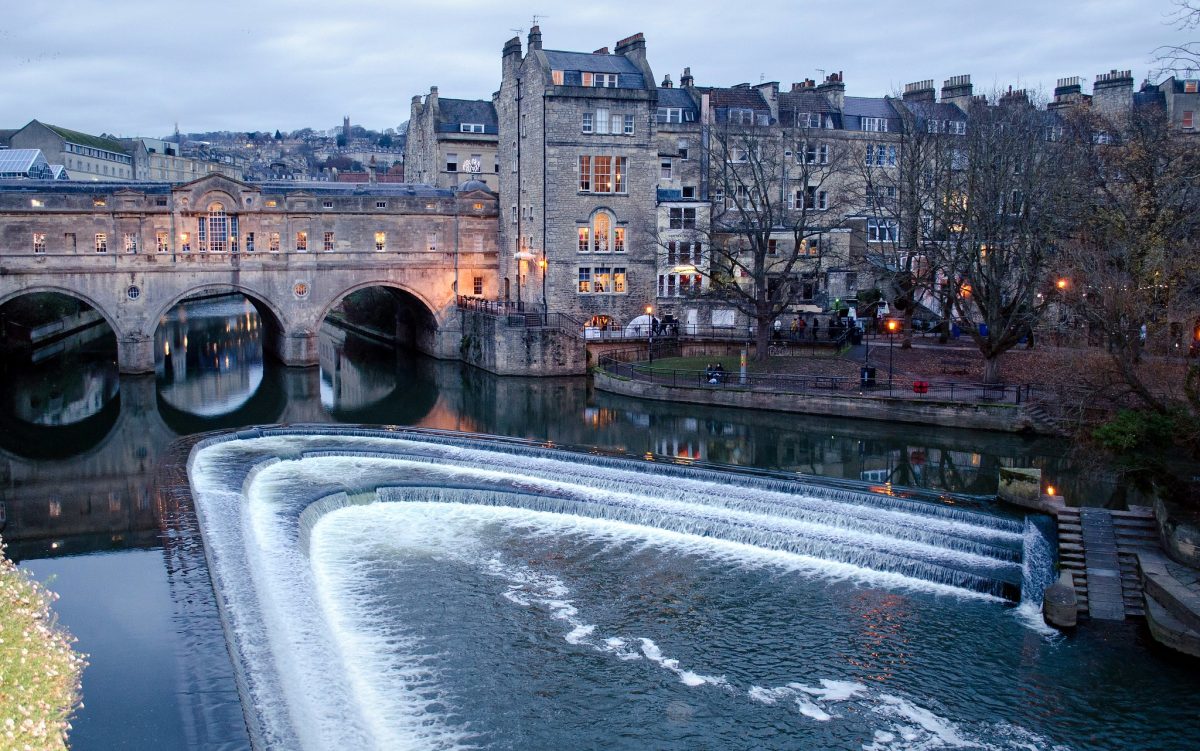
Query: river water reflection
(78,448)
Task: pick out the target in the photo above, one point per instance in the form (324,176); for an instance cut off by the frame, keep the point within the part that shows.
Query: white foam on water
(301,620)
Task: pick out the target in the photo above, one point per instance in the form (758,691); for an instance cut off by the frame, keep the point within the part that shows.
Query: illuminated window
(585,279)
(218,230)
(381,241)
(130,242)
(271,203)
(619,240)
(601,229)
(301,242)
(1189,119)
(39,242)
(101,242)
(273,242)
(584,240)
(99,201)
(556,76)
(185,242)
(619,280)
(160,241)
(37,203)
(601,277)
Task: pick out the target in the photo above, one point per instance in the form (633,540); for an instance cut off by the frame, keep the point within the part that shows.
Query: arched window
(218,229)
(601,232)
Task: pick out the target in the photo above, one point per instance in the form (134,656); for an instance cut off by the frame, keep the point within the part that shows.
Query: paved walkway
(1100,547)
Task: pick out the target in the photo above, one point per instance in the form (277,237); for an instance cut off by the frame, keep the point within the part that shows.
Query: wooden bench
(956,367)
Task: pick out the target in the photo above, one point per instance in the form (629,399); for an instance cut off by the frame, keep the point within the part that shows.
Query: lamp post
(650,332)
(545,308)
(520,256)
(892,325)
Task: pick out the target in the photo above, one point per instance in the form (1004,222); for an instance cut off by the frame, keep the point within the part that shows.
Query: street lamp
(545,308)
(892,326)
(650,332)
(519,256)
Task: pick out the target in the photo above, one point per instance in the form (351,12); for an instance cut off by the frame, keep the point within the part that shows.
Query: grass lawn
(39,671)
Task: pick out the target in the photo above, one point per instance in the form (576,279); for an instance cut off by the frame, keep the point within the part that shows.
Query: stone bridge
(133,251)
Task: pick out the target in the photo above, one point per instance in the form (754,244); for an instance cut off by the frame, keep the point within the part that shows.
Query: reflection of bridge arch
(363,382)
(266,405)
(40,442)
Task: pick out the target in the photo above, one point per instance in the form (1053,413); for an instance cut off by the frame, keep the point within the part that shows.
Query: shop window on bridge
(274,241)
(249,242)
(301,242)
(160,241)
(101,242)
(218,230)
(39,242)
(131,244)
(380,241)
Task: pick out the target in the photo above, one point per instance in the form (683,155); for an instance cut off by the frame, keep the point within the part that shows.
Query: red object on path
(921,387)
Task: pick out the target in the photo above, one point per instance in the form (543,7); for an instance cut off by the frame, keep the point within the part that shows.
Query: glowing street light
(892,326)
(650,332)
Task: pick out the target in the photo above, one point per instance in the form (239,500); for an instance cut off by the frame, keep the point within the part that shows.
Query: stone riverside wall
(488,342)
(984,416)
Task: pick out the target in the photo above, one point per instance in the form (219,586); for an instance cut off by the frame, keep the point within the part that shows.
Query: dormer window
(669,115)
(1191,87)
(741,116)
(470,127)
(875,124)
(556,76)
(600,80)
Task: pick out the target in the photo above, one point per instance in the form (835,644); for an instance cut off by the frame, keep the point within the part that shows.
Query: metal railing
(633,364)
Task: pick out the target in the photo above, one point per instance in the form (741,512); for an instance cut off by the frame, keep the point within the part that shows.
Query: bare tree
(1181,59)
(903,183)
(775,196)
(1007,203)
(1134,267)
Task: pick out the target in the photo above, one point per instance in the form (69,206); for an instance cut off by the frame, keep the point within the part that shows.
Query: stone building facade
(450,141)
(578,169)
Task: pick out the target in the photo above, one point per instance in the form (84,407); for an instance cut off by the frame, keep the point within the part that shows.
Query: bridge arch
(417,321)
(275,323)
(83,297)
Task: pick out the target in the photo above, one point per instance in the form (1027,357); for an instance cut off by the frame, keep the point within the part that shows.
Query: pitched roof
(453,112)
(574,64)
(738,97)
(676,98)
(935,110)
(83,139)
(867,106)
(805,101)
(20,160)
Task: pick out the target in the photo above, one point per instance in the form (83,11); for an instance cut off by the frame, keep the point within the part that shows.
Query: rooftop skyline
(133,69)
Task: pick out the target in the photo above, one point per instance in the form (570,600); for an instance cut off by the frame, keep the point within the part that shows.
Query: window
(664,170)
(380,241)
(619,240)
(249,242)
(602,120)
(1190,87)
(881,230)
(741,116)
(470,128)
(585,243)
(160,241)
(772,247)
(588,122)
(882,195)
(130,242)
(958,127)
(601,225)
(431,241)
(585,279)
(739,155)
(514,214)
(452,162)
(813,153)
(618,280)
(271,203)
(669,115)
(683,150)
(218,229)
(808,119)
(602,174)
(100,201)
(689,191)
(160,202)
(327,204)
(628,125)
(1189,119)
(301,242)
(381,204)
(328,242)
(683,219)
(556,77)
(273,242)
(39,242)
(185,242)
(812,198)
(37,203)
(101,242)
(879,155)
(875,124)
(600,279)
(600,80)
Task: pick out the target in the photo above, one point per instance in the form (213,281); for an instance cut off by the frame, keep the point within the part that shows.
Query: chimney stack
(834,87)
(957,90)
(1112,93)
(666,82)
(601,51)
(920,91)
(1067,93)
(535,38)
(686,81)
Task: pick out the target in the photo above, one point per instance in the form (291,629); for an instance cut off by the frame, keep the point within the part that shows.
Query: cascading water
(359,574)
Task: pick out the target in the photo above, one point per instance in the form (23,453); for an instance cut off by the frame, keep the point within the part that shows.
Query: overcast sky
(136,67)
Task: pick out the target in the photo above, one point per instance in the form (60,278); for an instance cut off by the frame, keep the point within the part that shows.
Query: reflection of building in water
(347,382)
(62,396)
(210,355)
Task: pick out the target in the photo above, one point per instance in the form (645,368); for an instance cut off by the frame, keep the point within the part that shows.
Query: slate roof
(83,139)
(855,108)
(935,111)
(5,134)
(629,76)
(677,98)
(738,98)
(793,103)
(454,112)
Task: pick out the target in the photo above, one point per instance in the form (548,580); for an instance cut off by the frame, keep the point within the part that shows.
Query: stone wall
(488,342)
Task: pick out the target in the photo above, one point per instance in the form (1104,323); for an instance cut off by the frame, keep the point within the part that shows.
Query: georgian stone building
(450,141)
(579,175)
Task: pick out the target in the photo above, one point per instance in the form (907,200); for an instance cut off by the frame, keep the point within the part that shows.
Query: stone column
(296,348)
(135,354)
